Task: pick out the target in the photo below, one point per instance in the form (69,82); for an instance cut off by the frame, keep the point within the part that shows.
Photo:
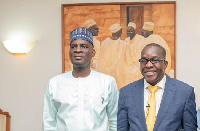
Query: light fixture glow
(18,46)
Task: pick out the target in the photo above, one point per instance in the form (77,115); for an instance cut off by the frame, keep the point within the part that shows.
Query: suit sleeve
(189,115)
(122,115)
(49,112)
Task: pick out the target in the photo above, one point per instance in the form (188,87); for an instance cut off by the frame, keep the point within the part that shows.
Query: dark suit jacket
(177,108)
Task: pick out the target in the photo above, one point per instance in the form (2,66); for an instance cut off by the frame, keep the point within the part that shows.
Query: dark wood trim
(121,3)
(175,39)
(63,42)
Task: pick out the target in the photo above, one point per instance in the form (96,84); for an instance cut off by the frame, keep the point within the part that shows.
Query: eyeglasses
(144,61)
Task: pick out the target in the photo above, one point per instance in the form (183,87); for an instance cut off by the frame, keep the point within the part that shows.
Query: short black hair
(157,45)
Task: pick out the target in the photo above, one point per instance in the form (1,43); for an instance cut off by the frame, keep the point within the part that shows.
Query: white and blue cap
(82,33)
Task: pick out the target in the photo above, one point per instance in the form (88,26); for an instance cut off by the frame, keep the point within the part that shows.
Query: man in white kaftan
(82,99)
(81,104)
(111,56)
(131,63)
(92,25)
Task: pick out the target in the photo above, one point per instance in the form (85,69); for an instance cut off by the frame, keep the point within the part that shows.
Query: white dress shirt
(158,94)
(81,104)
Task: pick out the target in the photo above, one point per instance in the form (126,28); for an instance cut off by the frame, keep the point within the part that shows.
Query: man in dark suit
(156,102)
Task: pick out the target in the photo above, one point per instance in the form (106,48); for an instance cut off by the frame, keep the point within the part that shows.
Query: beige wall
(23,79)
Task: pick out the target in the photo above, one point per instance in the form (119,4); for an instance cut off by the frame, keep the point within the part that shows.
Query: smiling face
(81,52)
(153,73)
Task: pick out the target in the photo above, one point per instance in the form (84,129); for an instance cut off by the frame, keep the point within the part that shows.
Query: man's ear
(165,64)
(93,52)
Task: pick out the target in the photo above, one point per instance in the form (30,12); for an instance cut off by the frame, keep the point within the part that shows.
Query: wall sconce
(18,46)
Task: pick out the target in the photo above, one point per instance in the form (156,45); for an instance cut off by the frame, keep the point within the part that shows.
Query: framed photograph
(120,32)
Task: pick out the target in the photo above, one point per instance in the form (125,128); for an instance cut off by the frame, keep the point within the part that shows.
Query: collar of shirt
(161,84)
(90,75)
(158,94)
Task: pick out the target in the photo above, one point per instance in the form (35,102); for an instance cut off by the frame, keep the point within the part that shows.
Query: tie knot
(153,89)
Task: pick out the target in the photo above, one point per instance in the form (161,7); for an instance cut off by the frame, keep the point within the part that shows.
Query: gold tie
(151,108)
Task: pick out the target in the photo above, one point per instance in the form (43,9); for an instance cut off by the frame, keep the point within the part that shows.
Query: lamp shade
(18,46)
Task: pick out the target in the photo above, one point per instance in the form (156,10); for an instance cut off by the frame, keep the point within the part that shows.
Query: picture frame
(161,14)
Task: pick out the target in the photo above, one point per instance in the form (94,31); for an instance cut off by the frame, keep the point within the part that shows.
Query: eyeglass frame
(147,60)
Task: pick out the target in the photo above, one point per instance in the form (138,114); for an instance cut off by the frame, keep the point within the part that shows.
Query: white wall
(23,79)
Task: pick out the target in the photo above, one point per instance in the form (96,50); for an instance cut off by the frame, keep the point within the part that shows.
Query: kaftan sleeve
(112,106)
(49,112)
(198,118)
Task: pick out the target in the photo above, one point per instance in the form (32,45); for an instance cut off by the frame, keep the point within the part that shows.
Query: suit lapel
(138,94)
(168,94)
